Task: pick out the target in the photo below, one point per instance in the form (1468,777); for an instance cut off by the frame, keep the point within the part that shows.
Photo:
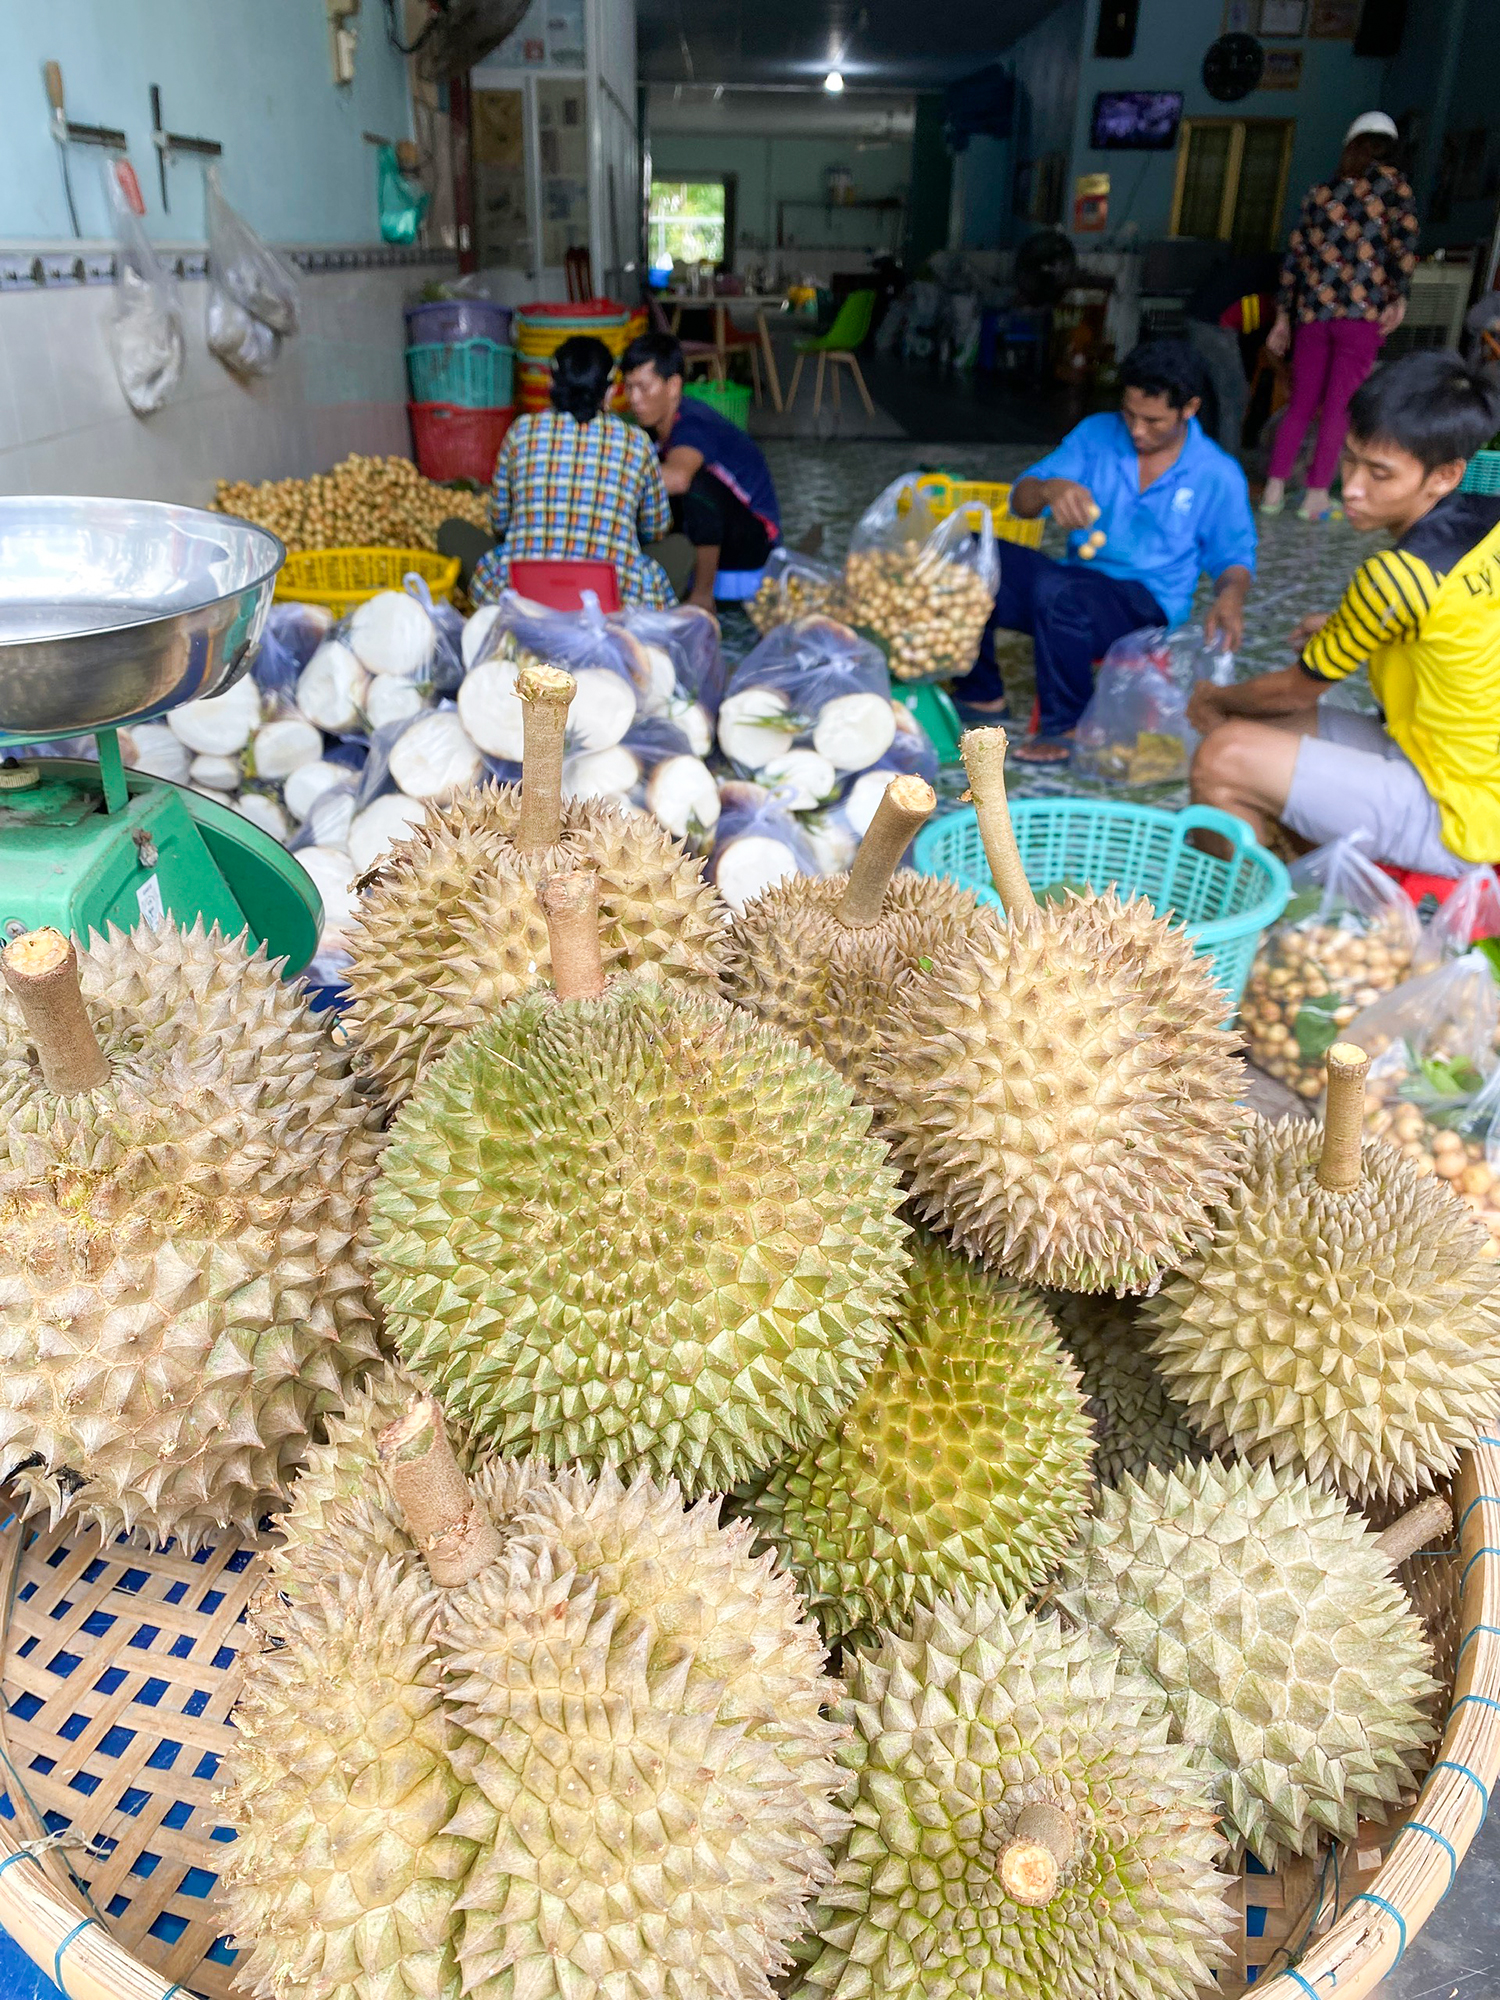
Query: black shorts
(714,518)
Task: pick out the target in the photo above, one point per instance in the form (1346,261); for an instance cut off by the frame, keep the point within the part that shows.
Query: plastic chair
(849,328)
(560,581)
(695,353)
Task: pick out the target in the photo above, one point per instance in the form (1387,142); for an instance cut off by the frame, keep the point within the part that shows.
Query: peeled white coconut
(601,774)
(331,816)
(153,748)
(754,726)
(864,798)
(333,878)
(691,717)
(279,748)
(331,689)
(681,793)
(217,774)
(833,840)
(602,710)
(390,633)
(476,630)
(435,758)
(262,812)
(802,778)
(490,709)
(388,819)
(747,867)
(220,726)
(853,730)
(661,677)
(308,782)
(390,700)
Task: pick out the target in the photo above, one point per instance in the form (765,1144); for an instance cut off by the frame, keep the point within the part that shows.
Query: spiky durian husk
(1354,1335)
(1137,1424)
(642,1229)
(963,1465)
(798,968)
(1060,1095)
(980,1712)
(622,1717)
(1291,1660)
(450,928)
(184,1284)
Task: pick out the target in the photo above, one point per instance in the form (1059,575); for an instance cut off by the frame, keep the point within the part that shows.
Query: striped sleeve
(1389,596)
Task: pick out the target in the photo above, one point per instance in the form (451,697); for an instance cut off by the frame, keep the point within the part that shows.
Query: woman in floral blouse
(1344,282)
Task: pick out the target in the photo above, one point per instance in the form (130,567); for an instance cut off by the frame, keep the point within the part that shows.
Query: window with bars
(690,221)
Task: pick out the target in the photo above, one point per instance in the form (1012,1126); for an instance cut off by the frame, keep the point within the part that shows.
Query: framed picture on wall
(1241,17)
(1283,19)
(1334,20)
(1283,70)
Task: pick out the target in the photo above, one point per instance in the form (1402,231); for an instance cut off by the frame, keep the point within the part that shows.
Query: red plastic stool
(1416,886)
(559,583)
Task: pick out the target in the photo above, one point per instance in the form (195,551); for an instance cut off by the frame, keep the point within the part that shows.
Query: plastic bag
(925,588)
(757,844)
(242,343)
(792,586)
(1135,729)
(611,669)
(1470,916)
(689,636)
(145,335)
(246,270)
(293,634)
(1346,937)
(402,203)
(810,685)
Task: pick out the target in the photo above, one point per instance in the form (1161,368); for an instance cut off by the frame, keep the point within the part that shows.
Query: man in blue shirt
(716,475)
(1149,503)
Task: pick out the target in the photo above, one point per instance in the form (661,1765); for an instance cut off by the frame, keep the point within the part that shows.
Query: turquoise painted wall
(253,74)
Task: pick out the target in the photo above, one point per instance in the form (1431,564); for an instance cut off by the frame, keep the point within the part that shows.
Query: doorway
(1231,181)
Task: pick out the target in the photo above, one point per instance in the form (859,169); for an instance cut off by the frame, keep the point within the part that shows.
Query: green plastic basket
(1483,475)
(1140,850)
(474,374)
(730,399)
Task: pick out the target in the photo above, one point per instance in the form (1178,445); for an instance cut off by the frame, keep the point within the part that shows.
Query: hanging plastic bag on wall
(402,203)
(145,335)
(248,270)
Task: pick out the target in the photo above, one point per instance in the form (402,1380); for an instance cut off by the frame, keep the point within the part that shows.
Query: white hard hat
(1372,121)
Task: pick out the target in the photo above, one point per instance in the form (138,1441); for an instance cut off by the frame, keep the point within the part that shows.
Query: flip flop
(977,715)
(1271,507)
(1044,749)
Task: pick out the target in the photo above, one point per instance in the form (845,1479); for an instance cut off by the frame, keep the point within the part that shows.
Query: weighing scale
(113,612)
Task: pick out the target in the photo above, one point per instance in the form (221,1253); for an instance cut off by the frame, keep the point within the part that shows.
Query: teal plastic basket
(475,374)
(1139,850)
(1483,473)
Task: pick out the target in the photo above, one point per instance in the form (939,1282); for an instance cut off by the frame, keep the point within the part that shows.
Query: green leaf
(1491,949)
(1315,1029)
(1305,903)
(1060,890)
(925,963)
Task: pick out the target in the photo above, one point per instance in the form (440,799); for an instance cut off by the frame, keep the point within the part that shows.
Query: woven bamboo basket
(120,1674)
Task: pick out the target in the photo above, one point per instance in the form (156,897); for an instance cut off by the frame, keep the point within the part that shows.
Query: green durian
(1137,1423)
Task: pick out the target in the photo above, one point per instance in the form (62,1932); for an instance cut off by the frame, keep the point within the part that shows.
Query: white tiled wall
(65,427)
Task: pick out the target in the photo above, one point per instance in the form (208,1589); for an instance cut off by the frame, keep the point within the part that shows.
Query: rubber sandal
(1044,749)
(1272,507)
(976,715)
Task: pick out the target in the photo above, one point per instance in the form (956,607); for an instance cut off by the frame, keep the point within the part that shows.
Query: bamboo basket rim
(1347,1962)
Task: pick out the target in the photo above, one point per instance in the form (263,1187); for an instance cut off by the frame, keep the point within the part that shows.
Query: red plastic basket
(454,443)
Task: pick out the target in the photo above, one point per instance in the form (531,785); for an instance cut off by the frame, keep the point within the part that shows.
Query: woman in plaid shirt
(576,482)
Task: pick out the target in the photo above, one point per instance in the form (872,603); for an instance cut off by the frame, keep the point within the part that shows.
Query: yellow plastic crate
(341,578)
(944,494)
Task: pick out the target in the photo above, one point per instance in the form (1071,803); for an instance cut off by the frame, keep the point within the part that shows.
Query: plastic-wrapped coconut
(330,817)
(833,840)
(222,725)
(435,758)
(308,782)
(801,778)
(601,774)
(754,726)
(390,633)
(682,794)
(153,748)
(490,709)
(853,730)
(263,812)
(382,823)
(864,799)
(692,718)
(333,878)
(331,688)
(390,700)
(602,711)
(476,630)
(661,678)
(217,774)
(750,864)
(279,748)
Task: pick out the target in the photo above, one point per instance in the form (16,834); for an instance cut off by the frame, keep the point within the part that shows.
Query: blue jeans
(1074,615)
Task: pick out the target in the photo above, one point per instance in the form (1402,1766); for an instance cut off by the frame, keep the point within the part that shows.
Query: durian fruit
(449,928)
(1137,1424)
(184,1281)
(964,1463)
(1290,1658)
(1343,1318)
(821,957)
(1056,1088)
(630,1224)
(1022,1825)
(552,1737)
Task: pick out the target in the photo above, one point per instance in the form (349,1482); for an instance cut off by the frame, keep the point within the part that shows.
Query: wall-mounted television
(1137,121)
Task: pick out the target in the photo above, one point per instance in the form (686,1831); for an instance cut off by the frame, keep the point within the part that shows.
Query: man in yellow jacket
(1422,778)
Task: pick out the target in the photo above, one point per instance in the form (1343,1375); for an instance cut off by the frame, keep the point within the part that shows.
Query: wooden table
(761,303)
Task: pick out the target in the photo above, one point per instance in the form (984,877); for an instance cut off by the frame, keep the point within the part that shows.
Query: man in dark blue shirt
(716,476)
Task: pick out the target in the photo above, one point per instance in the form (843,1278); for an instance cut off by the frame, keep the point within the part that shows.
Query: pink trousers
(1330,358)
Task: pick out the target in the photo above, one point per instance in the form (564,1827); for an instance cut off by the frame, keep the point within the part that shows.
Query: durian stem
(1429,1521)
(905,806)
(546,693)
(41,970)
(446,1522)
(1032,1860)
(983,752)
(1341,1165)
(570,904)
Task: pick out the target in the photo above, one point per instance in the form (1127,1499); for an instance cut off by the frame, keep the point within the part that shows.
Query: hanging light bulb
(833,82)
